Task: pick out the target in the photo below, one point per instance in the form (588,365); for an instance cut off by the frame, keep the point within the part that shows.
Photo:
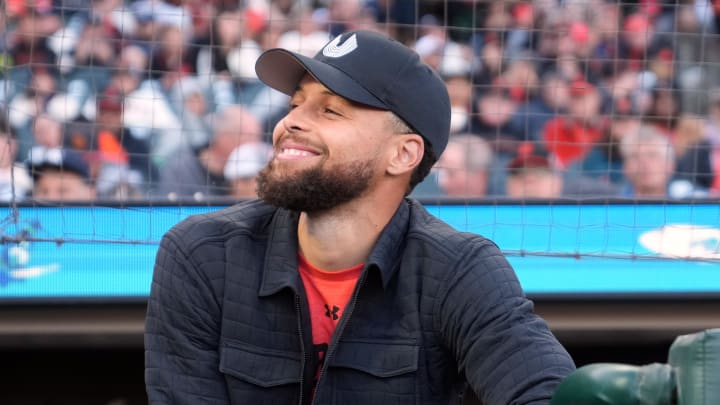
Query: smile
(295,153)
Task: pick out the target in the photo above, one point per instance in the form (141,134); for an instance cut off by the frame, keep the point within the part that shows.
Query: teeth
(295,152)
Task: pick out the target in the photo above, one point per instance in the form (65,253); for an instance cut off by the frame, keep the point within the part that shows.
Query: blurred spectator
(348,15)
(199,174)
(115,143)
(15,182)
(26,105)
(460,90)
(95,47)
(169,61)
(649,166)
(162,13)
(60,175)
(29,41)
(305,34)
(228,52)
(47,132)
(531,116)
(463,168)
(119,182)
(697,52)
(534,173)
(604,160)
(693,152)
(447,57)
(521,35)
(570,137)
(712,133)
(493,111)
(533,176)
(188,99)
(491,65)
(661,67)
(603,59)
(243,166)
(636,40)
(520,78)
(664,108)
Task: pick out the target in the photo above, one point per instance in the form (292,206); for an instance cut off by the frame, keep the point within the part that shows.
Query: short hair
(646,135)
(237,119)
(399,126)
(478,153)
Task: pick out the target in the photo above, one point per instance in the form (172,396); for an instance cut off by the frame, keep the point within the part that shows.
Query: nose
(297,119)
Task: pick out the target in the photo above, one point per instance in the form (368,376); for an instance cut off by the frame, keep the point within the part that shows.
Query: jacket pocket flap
(381,359)
(259,366)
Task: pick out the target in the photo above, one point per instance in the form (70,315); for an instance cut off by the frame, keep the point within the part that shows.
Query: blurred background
(585,141)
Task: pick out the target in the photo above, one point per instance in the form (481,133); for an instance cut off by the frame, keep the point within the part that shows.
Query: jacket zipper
(338,332)
(302,347)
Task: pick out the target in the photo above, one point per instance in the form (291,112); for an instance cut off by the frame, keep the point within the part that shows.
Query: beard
(318,188)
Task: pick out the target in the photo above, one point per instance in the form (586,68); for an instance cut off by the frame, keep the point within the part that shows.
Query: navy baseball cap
(40,158)
(371,69)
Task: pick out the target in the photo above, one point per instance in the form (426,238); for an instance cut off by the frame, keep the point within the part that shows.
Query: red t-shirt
(569,142)
(328,292)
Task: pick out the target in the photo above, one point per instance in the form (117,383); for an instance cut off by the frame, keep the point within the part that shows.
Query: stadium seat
(690,377)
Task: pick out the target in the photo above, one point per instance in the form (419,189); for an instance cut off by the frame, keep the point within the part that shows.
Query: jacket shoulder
(428,229)
(250,217)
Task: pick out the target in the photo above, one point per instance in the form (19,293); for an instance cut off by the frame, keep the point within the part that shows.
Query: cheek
(277,131)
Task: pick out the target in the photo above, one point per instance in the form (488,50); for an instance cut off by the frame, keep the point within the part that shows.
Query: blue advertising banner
(563,249)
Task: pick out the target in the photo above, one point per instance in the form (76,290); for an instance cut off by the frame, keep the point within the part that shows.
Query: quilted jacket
(435,311)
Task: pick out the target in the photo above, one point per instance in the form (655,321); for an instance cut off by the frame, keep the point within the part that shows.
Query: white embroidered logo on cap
(332,50)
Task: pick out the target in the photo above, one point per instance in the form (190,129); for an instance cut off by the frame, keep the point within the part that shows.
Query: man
(15,182)
(60,175)
(463,168)
(244,165)
(334,287)
(199,174)
(533,176)
(649,167)
(570,137)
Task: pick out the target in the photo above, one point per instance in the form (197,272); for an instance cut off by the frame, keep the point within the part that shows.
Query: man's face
(454,177)
(648,168)
(59,185)
(534,183)
(328,151)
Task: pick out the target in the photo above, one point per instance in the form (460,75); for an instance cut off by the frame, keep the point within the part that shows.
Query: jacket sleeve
(182,329)
(507,352)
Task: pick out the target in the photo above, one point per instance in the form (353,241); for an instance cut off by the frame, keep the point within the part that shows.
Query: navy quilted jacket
(435,311)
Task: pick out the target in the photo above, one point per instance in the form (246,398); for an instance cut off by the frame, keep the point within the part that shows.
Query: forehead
(54,175)
(308,85)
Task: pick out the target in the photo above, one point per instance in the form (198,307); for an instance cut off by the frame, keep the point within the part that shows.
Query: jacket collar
(280,269)
(281,265)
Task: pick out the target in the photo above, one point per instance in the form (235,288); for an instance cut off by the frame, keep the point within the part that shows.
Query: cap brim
(283,70)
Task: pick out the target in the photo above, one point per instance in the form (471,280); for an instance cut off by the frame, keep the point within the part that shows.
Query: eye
(331,111)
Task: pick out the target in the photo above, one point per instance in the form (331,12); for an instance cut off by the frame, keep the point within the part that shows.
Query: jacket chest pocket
(372,372)
(257,375)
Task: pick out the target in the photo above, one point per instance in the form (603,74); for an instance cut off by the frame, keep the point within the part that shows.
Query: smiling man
(335,287)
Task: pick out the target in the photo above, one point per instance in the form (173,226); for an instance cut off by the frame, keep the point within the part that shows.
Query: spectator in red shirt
(570,137)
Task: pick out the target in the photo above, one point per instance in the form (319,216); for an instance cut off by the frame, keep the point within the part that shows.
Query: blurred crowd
(158,99)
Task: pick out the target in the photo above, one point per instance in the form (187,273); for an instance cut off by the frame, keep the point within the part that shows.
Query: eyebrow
(299,88)
(327,93)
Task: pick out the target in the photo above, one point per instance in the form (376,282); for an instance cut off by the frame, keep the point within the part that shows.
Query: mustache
(300,140)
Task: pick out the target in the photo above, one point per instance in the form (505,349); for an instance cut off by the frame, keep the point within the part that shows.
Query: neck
(344,236)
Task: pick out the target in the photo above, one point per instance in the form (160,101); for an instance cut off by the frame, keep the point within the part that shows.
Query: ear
(406,153)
